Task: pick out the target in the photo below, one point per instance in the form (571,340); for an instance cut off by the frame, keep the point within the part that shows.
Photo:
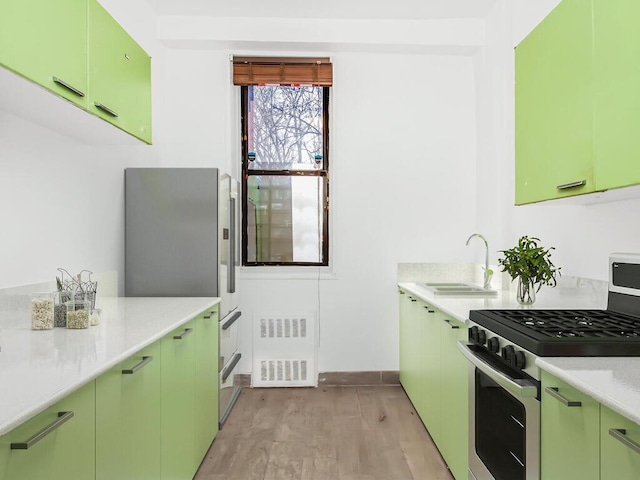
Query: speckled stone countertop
(40,367)
(613,381)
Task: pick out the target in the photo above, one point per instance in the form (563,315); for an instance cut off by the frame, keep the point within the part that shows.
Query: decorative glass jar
(78,313)
(42,309)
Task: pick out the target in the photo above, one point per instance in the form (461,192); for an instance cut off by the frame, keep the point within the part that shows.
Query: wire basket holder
(74,287)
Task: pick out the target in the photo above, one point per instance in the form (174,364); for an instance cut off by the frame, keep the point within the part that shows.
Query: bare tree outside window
(285,174)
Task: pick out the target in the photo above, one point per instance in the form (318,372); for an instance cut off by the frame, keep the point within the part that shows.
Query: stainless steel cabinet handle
(62,418)
(521,387)
(135,368)
(620,434)
(231,267)
(232,364)
(106,109)
(69,87)
(186,333)
(553,391)
(575,184)
(448,322)
(231,321)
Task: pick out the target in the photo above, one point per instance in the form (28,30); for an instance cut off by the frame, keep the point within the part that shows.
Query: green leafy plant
(530,262)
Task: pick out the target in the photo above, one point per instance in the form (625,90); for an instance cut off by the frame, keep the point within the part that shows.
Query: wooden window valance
(282,71)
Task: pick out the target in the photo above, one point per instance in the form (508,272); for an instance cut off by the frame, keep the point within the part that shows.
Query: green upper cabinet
(620,447)
(119,75)
(128,418)
(617,76)
(206,407)
(66,452)
(554,106)
(569,432)
(46,42)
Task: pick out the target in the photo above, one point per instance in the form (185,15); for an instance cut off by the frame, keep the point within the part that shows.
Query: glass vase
(526,294)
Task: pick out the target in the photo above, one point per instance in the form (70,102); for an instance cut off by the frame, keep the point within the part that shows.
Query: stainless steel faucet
(487,271)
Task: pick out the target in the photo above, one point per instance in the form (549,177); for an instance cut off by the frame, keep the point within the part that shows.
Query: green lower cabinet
(620,447)
(454,394)
(178,420)
(67,452)
(431,411)
(569,432)
(411,349)
(46,42)
(128,419)
(206,407)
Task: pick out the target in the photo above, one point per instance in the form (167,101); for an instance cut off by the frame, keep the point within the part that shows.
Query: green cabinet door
(178,402)
(411,351)
(119,75)
(67,452)
(620,447)
(430,373)
(46,42)
(617,76)
(206,382)
(128,418)
(554,106)
(570,424)
(454,391)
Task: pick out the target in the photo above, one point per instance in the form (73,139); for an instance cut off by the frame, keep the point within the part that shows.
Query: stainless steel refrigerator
(181,240)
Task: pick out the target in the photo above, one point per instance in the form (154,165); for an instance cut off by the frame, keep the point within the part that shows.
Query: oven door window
(500,430)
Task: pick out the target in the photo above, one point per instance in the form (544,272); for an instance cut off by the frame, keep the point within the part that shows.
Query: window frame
(323,172)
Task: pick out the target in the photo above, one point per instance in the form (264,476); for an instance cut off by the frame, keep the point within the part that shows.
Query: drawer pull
(448,322)
(231,321)
(69,87)
(553,391)
(106,109)
(211,314)
(186,333)
(567,186)
(62,418)
(620,434)
(232,364)
(145,361)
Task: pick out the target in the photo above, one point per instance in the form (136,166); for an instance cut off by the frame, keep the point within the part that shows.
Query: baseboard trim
(345,379)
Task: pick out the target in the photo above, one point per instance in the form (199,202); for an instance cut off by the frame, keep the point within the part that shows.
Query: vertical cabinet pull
(62,418)
(553,391)
(106,109)
(620,434)
(186,333)
(567,186)
(145,361)
(68,86)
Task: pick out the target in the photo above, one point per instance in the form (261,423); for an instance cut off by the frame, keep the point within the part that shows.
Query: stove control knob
(508,353)
(494,344)
(473,334)
(482,337)
(519,360)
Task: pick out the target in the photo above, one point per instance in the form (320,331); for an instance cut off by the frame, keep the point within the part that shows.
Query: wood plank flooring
(325,433)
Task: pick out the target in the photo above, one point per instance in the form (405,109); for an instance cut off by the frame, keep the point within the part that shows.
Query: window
(285,175)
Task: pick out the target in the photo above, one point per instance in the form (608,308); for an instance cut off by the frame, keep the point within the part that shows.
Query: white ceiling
(339,9)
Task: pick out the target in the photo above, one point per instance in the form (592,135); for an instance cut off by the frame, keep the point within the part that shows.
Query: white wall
(584,235)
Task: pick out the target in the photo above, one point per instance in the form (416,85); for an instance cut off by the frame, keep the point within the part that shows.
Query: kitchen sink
(459,289)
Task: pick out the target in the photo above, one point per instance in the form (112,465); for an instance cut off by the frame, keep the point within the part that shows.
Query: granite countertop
(613,381)
(40,367)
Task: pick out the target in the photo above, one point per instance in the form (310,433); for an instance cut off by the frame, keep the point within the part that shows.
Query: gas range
(519,336)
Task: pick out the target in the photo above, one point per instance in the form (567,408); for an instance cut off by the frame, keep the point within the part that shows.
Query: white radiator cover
(284,350)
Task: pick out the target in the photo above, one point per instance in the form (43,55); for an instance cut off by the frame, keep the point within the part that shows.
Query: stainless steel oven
(504,418)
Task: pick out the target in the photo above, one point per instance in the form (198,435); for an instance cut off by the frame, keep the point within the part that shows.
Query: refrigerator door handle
(231,266)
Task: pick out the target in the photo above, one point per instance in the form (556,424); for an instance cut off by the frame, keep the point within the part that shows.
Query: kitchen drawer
(228,336)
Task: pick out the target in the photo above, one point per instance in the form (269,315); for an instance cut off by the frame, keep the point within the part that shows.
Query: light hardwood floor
(325,433)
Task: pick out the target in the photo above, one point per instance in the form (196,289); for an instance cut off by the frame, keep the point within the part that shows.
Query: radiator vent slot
(284,350)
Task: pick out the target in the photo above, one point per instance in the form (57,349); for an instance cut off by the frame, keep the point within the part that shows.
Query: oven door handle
(516,386)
